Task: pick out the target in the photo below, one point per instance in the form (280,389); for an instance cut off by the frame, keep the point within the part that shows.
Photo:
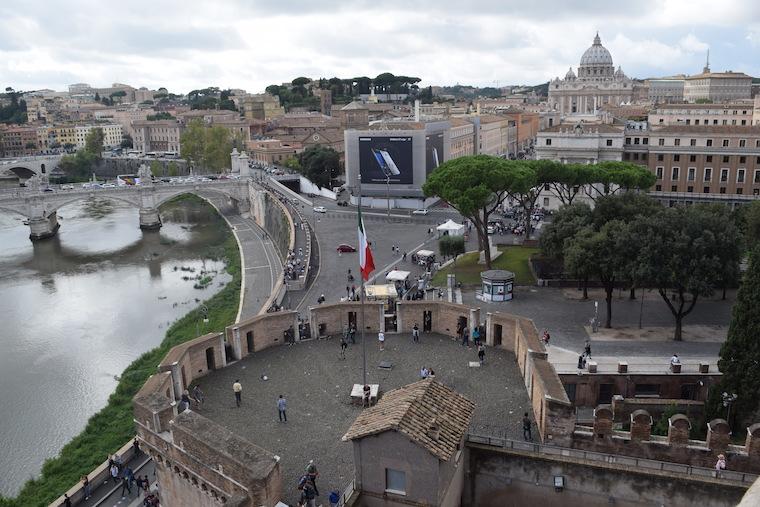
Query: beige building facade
(161,135)
(717,86)
(462,138)
(731,114)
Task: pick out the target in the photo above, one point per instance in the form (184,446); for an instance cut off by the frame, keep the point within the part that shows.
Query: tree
(529,178)
(687,254)
(474,185)
(126,141)
(156,169)
(565,224)
(173,169)
(97,97)
(192,142)
(740,354)
(567,180)
(451,246)
(93,143)
(217,148)
(320,164)
(750,223)
(292,163)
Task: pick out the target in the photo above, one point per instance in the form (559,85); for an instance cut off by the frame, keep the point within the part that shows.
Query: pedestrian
(139,485)
(146,484)
(308,494)
(343,347)
(352,335)
(424,372)
(526,427)
(431,373)
(86,487)
(404,257)
(466,337)
(130,475)
(476,336)
(238,390)
(281,406)
(312,473)
(321,299)
(546,337)
(415,333)
(720,465)
(66,500)
(348,292)
(587,349)
(334,498)
(115,473)
(381,339)
(125,486)
(367,395)
(135,447)
(184,402)
(481,354)
(198,395)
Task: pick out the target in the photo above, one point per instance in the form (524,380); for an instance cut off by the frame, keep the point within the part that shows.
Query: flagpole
(361,296)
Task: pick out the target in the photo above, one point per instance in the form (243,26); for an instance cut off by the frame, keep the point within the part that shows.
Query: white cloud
(252,43)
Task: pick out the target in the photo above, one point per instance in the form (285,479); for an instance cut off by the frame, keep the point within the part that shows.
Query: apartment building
(18,141)
(160,135)
(717,86)
(112,134)
(739,113)
(462,138)
(496,135)
(698,163)
(666,90)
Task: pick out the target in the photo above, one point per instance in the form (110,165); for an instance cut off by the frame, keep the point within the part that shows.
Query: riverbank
(108,429)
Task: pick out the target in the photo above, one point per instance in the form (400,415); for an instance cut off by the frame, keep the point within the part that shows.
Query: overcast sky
(188,44)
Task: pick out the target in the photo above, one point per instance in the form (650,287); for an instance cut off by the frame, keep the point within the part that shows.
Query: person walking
(481,354)
(125,486)
(466,337)
(281,406)
(312,473)
(476,336)
(587,349)
(381,339)
(526,427)
(135,448)
(86,487)
(238,390)
(415,333)
(66,500)
(352,335)
(115,473)
(343,347)
(198,395)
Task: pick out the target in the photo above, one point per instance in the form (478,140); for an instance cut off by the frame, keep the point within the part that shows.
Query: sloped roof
(416,410)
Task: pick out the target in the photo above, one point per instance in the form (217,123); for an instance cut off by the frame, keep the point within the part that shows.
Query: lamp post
(388,191)
(204,313)
(728,400)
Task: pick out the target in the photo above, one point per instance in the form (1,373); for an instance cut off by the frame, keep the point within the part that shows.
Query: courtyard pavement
(317,385)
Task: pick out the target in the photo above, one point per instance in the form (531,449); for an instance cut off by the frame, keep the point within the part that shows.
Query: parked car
(343,248)
(421,211)
(342,203)
(320,209)
(67,187)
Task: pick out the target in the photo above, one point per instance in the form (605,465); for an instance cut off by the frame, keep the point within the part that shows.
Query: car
(343,248)
(320,209)
(48,189)
(67,187)
(490,229)
(421,211)
(108,185)
(342,203)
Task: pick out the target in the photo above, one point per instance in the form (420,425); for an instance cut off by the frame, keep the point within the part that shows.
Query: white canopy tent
(397,275)
(451,228)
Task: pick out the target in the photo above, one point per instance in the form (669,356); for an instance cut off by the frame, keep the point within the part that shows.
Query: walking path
(566,361)
(107,494)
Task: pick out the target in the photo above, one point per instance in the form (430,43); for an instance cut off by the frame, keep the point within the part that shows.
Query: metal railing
(614,459)
(347,493)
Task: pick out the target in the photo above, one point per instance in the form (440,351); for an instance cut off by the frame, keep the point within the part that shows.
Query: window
(715,122)
(724,175)
(739,191)
(744,122)
(546,186)
(546,201)
(677,142)
(696,122)
(645,140)
(757,176)
(660,157)
(636,140)
(709,142)
(635,156)
(708,158)
(548,142)
(693,142)
(674,188)
(609,142)
(661,142)
(726,159)
(725,143)
(722,190)
(757,143)
(691,174)
(658,188)
(674,173)
(740,176)
(627,140)
(690,189)
(708,173)
(658,172)
(676,158)
(742,143)
(395,481)
(692,158)
(706,190)
(626,156)
(742,160)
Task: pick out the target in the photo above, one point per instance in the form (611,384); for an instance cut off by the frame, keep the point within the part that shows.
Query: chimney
(434,431)
(417,110)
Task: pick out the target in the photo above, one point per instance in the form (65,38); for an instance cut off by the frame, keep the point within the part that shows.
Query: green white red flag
(366,262)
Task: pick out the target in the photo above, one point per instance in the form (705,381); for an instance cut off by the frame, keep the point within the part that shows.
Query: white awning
(397,275)
(425,253)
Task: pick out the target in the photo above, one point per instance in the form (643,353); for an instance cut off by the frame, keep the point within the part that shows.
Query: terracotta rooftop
(419,411)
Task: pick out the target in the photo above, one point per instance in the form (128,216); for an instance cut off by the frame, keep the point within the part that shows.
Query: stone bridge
(40,207)
(26,167)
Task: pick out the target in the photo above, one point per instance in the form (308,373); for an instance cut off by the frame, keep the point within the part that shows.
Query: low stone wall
(261,332)
(332,319)
(194,359)
(622,408)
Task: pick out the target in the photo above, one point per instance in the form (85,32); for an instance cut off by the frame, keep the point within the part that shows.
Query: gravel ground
(317,384)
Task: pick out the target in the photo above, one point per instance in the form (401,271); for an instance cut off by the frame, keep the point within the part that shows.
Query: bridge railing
(616,459)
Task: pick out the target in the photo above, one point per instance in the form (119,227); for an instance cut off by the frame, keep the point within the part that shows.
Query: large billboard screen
(433,151)
(386,157)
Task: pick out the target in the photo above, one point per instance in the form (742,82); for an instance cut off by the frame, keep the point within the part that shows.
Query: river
(77,309)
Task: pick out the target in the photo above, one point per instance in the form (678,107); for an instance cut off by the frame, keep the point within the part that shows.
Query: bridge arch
(86,197)
(23,172)
(198,192)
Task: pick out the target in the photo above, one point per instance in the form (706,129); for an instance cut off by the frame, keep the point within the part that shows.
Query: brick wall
(333,318)
(266,330)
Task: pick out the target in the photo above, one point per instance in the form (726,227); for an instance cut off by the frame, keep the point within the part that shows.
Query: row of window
(725,143)
(706,190)
(707,174)
(726,159)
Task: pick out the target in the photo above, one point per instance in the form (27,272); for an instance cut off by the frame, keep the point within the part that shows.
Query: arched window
(42,168)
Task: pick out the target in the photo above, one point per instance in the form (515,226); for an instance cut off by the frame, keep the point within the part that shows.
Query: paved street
(317,384)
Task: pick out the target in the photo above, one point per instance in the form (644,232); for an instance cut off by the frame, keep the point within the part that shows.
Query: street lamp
(204,313)
(728,400)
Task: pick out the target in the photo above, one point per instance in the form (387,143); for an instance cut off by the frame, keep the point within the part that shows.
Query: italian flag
(366,263)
